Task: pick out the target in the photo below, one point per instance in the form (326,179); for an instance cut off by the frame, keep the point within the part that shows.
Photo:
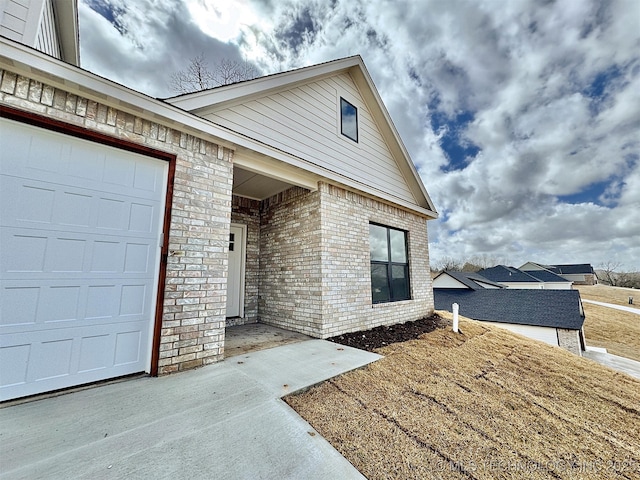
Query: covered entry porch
(259,182)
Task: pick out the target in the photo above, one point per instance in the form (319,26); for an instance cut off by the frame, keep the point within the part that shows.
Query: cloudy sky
(522,116)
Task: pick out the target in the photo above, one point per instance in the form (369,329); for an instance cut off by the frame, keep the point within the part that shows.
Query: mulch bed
(386,335)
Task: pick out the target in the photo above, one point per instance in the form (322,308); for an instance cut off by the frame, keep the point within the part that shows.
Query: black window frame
(393,296)
(342,102)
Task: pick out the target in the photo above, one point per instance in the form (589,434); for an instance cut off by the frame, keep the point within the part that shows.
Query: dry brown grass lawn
(604,293)
(615,330)
(481,404)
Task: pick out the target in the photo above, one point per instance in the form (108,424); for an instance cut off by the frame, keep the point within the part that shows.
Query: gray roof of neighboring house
(470,279)
(502,274)
(540,308)
(547,276)
(567,269)
(574,268)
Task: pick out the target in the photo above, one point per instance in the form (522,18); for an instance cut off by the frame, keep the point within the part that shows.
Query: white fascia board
(26,61)
(262,85)
(66,12)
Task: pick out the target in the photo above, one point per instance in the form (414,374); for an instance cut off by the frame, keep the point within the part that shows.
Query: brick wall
(346,268)
(569,340)
(193,317)
(315,267)
(290,283)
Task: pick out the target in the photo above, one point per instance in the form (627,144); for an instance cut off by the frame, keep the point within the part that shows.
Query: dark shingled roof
(540,308)
(547,276)
(504,274)
(469,279)
(573,269)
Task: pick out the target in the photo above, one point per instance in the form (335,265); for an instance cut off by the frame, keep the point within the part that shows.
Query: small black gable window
(348,120)
(389,264)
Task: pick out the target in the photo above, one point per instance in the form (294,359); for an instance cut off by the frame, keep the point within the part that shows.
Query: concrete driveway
(222,421)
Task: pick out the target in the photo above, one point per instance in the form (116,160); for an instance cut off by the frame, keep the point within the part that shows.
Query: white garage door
(80,237)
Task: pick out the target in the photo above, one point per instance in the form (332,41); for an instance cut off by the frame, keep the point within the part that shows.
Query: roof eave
(226,93)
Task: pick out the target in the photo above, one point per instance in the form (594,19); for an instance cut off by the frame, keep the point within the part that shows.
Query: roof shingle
(504,274)
(541,308)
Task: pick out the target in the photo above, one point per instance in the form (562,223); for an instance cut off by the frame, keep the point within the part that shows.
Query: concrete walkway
(625,365)
(221,421)
(600,355)
(611,305)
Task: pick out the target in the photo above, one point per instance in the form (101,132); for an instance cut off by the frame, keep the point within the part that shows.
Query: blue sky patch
(592,193)
(302,27)
(600,87)
(110,12)
(457,148)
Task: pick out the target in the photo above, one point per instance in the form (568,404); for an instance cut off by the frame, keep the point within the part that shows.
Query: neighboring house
(550,280)
(555,317)
(516,278)
(511,277)
(134,231)
(579,274)
(450,279)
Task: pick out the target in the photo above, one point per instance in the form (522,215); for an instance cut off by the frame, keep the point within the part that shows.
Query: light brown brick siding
(290,274)
(569,340)
(315,266)
(346,268)
(193,315)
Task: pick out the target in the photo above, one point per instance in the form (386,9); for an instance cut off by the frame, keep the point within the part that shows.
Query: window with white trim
(389,264)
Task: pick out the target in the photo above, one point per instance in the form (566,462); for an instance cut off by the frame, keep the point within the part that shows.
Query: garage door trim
(90,135)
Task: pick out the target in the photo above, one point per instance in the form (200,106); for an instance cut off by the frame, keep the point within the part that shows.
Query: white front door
(80,229)
(235,280)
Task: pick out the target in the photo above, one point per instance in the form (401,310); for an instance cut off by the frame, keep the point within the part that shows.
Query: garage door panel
(44,157)
(18,305)
(42,361)
(30,306)
(37,253)
(81,229)
(141,175)
(41,204)
(94,352)
(14,360)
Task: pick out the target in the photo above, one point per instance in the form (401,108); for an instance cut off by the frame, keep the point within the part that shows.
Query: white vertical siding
(542,334)
(13,18)
(47,39)
(305,122)
(21,20)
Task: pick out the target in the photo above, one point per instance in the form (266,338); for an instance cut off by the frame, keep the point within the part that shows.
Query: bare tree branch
(608,272)
(197,76)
